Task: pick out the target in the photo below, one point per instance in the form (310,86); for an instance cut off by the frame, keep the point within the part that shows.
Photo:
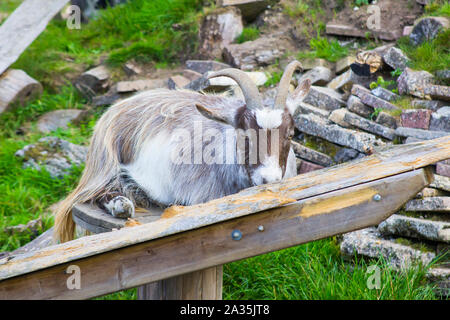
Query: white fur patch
(291,105)
(269,118)
(151,169)
(268,172)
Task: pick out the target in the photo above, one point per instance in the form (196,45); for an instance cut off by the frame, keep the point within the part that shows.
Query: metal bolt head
(261,228)
(236,235)
(377,197)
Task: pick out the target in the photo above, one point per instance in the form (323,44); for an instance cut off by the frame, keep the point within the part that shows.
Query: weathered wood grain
(95,220)
(17,87)
(178,219)
(23,26)
(145,262)
(198,285)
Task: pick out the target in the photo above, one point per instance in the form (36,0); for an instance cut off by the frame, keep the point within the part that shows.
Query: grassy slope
(310,271)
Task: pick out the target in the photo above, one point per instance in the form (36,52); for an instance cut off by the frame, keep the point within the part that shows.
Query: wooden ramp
(257,220)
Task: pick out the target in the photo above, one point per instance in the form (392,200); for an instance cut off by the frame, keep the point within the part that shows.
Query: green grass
(317,271)
(325,49)
(248,34)
(429,56)
(141,30)
(438,8)
(25,194)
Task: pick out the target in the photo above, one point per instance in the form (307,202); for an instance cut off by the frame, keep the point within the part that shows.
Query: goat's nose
(264,180)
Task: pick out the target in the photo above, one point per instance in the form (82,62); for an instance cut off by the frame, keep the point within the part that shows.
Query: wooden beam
(23,26)
(299,222)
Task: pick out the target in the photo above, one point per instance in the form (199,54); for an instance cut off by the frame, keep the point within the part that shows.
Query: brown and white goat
(131,156)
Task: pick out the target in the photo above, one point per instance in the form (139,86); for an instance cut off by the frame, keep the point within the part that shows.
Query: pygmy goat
(181,147)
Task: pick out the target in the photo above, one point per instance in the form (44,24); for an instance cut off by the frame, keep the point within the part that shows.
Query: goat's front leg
(118,206)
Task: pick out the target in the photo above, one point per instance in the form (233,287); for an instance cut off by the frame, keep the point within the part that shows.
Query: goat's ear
(298,95)
(216,114)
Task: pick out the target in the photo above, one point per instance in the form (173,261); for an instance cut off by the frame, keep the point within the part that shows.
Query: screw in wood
(377,197)
(236,235)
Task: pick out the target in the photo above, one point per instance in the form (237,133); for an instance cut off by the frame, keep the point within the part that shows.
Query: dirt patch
(394,15)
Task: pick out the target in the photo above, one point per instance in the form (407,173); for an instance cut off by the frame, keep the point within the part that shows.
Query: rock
(369,243)
(431,192)
(416,118)
(306,166)
(305,108)
(107,99)
(443,169)
(318,76)
(369,126)
(385,119)
(324,98)
(398,225)
(57,156)
(346,154)
(90,8)
(385,94)
(17,87)
(440,278)
(407,30)
(202,66)
(223,83)
(426,29)
(343,64)
(250,8)
(93,81)
(441,182)
(140,85)
(437,92)
(368,98)
(354,104)
(434,204)
(311,155)
(191,74)
(440,120)
(261,52)
(319,127)
(337,116)
(433,105)
(53,120)
(346,80)
(218,29)
(419,133)
(33,227)
(177,82)
(339,29)
(395,58)
(443,74)
(132,69)
(414,82)
(309,64)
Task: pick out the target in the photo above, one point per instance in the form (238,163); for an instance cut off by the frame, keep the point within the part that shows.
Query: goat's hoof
(121,207)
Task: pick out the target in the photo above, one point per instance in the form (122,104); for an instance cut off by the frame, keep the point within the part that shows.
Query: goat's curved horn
(249,89)
(283,86)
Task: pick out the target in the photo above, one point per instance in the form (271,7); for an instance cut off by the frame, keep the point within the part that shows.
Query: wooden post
(205,284)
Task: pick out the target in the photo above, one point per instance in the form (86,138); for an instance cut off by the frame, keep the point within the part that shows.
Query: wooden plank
(23,26)
(299,222)
(178,219)
(96,220)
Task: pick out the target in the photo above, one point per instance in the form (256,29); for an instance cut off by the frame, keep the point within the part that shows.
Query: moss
(415,245)
(320,145)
